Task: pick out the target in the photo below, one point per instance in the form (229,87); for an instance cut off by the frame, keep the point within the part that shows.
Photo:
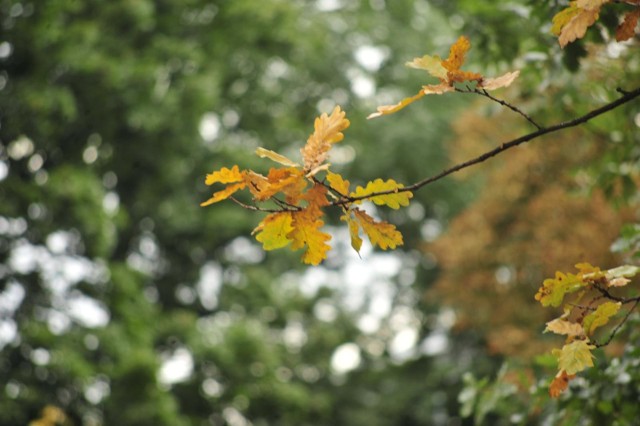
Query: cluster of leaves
(300,196)
(572,22)
(448,72)
(591,306)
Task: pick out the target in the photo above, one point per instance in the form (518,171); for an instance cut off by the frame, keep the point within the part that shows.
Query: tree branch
(627,97)
(615,330)
(501,102)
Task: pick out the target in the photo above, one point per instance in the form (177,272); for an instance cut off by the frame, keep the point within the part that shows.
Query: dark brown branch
(627,97)
(501,102)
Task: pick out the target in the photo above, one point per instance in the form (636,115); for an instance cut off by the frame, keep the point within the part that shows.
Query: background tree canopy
(122,302)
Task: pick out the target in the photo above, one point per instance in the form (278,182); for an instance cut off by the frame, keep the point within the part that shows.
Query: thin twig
(256,208)
(627,97)
(504,103)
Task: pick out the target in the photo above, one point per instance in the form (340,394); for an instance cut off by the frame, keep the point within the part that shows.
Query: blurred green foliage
(112,278)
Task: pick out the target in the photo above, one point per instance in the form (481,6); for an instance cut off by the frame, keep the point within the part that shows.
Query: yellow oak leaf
(225,175)
(627,28)
(431,64)
(394,200)
(456,54)
(273,230)
(306,232)
(577,26)
(560,383)
(600,316)
(563,17)
(381,234)
(327,131)
(390,109)
(354,232)
(575,357)
(562,326)
(224,194)
(553,290)
(274,156)
(338,183)
(498,82)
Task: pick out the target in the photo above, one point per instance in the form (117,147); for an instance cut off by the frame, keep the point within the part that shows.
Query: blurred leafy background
(122,302)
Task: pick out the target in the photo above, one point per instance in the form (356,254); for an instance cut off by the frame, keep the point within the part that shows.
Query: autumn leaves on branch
(299,193)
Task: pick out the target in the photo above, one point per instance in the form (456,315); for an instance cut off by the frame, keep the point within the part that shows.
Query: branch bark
(625,98)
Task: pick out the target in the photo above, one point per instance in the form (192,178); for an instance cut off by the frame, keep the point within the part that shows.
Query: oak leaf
(354,231)
(338,183)
(390,109)
(394,200)
(381,234)
(274,156)
(627,28)
(498,82)
(562,326)
(431,64)
(600,317)
(225,175)
(577,26)
(273,230)
(553,290)
(560,383)
(327,131)
(306,232)
(224,194)
(575,357)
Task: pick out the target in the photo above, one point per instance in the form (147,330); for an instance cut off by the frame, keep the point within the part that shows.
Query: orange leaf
(327,131)
(459,76)
(457,54)
(225,175)
(627,28)
(563,17)
(224,194)
(316,197)
(382,234)
(560,384)
(390,109)
(306,232)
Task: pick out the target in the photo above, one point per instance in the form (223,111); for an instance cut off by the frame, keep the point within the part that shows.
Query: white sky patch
(371,57)
(434,344)
(209,127)
(345,358)
(88,311)
(242,250)
(4,170)
(363,86)
(403,343)
(209,284)
(176,367)
(328,5)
